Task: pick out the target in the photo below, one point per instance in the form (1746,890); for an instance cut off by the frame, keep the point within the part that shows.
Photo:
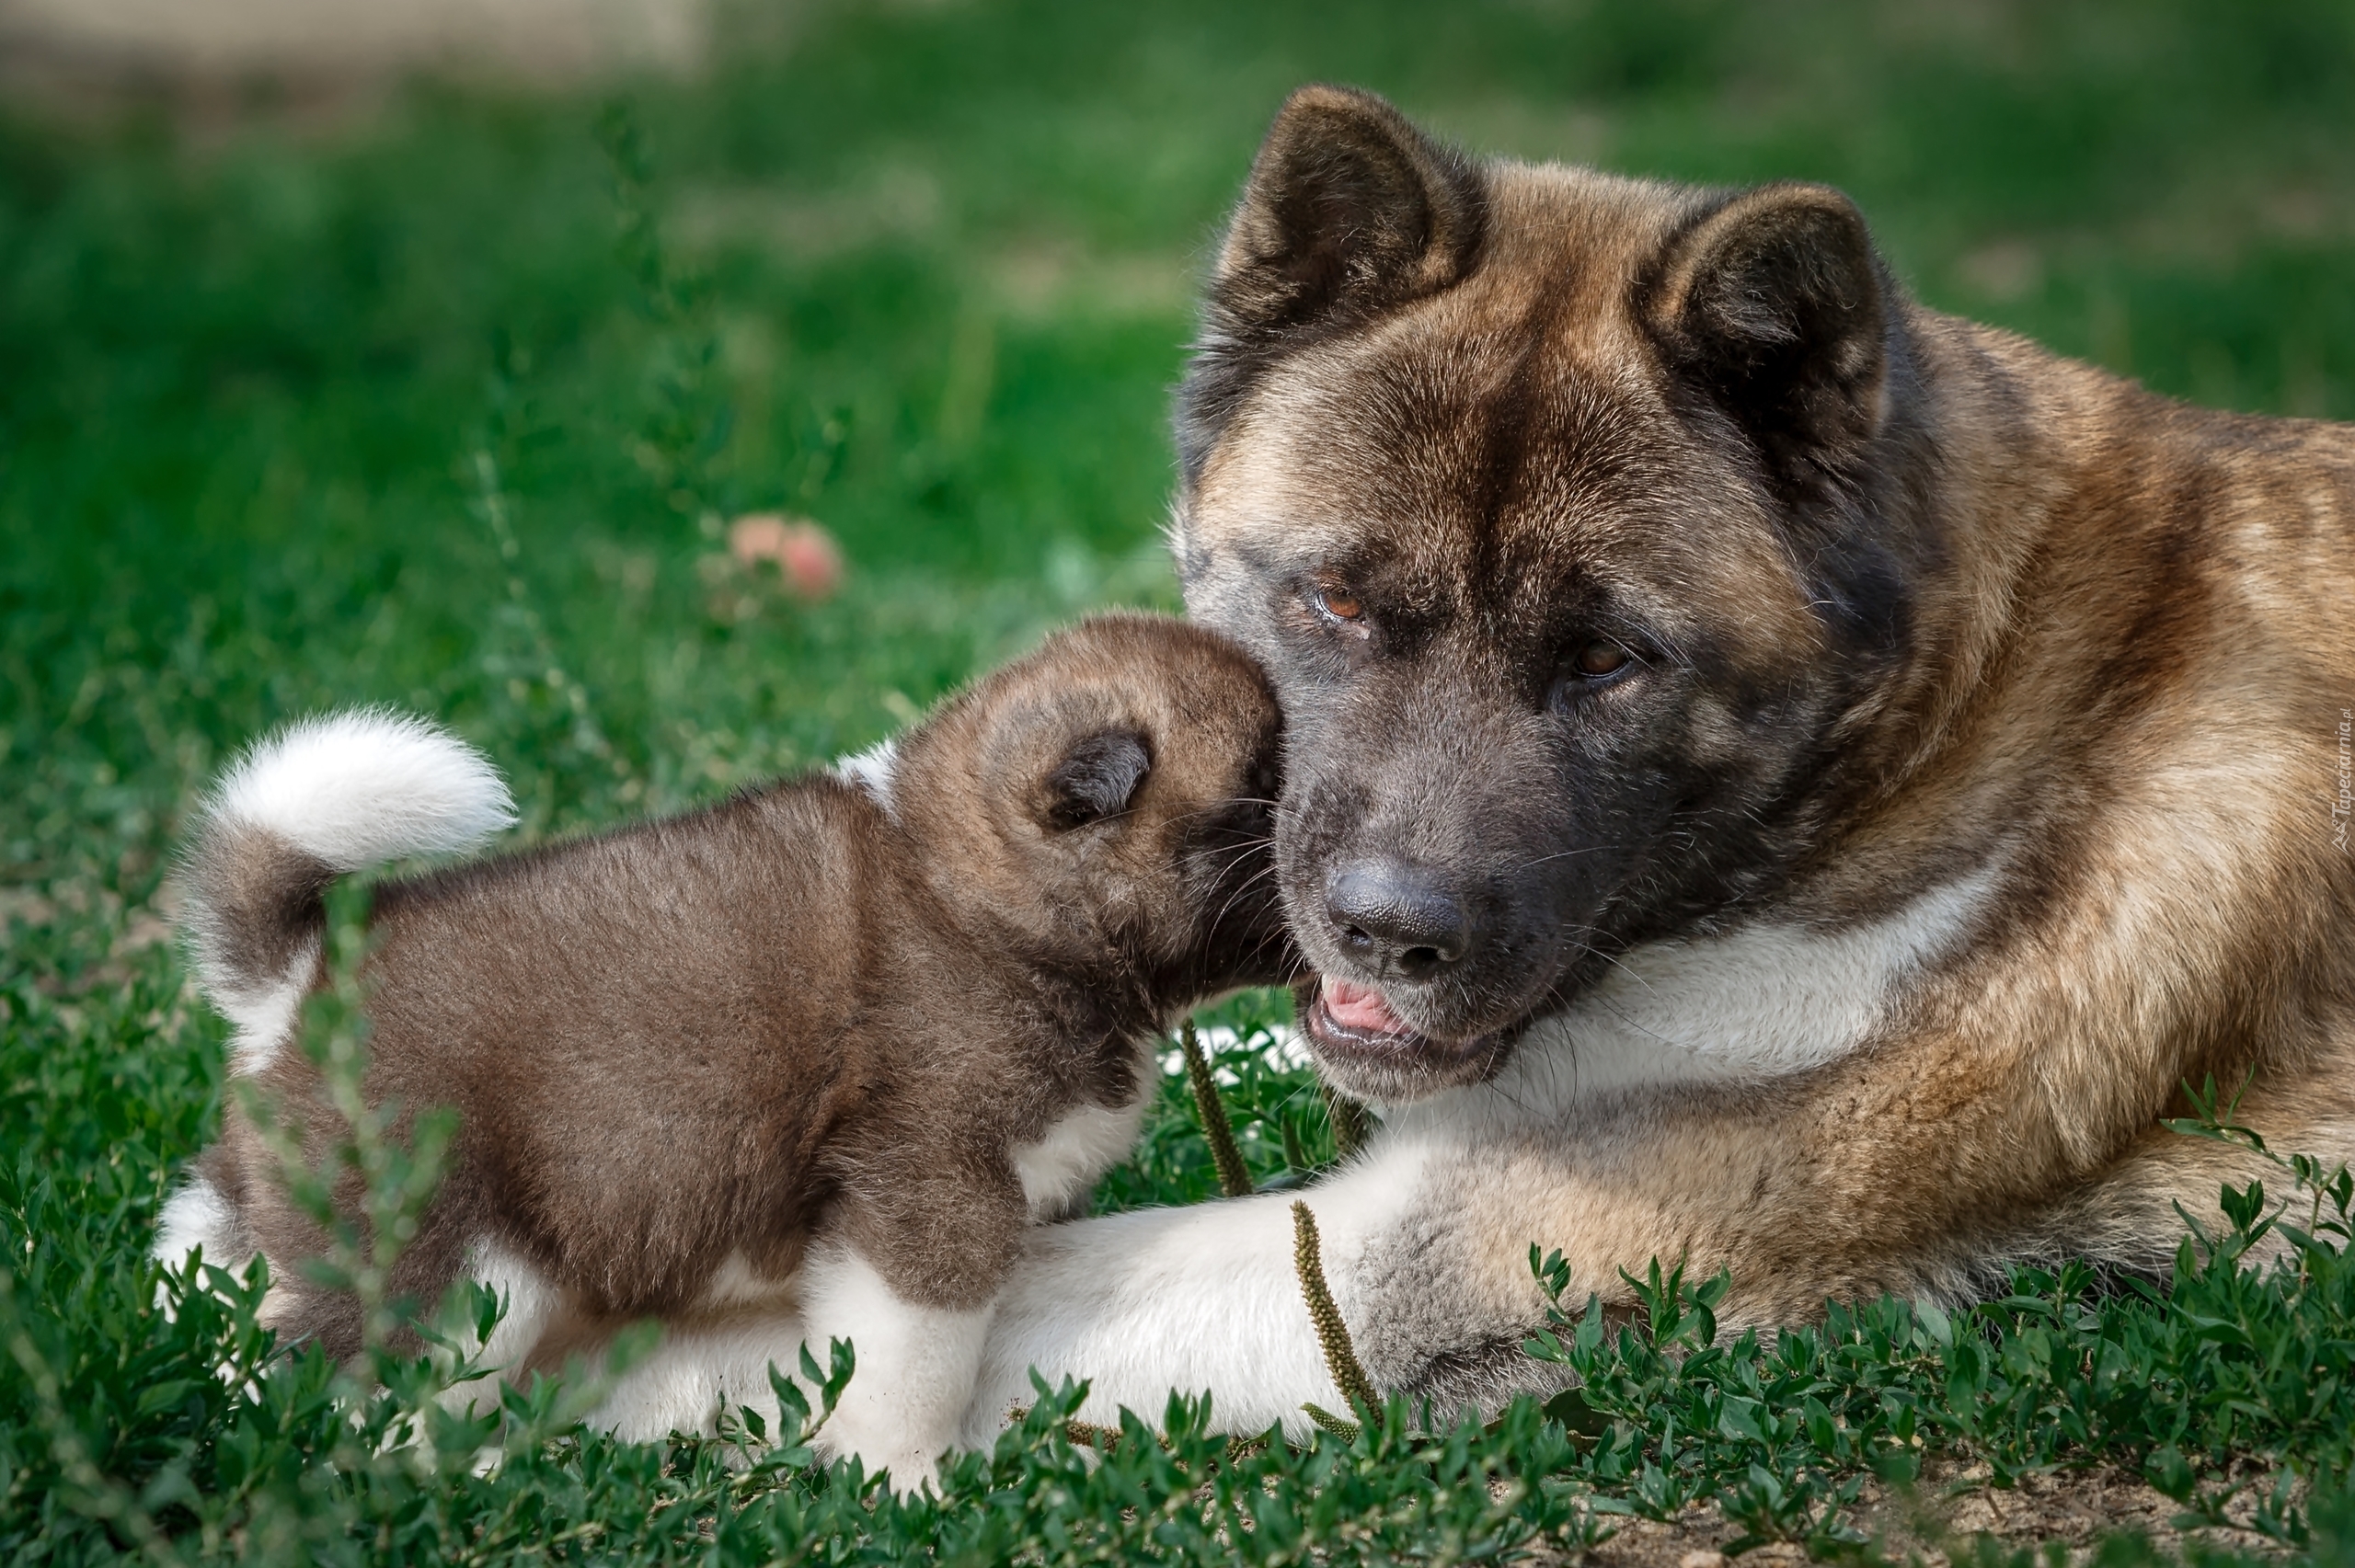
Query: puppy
(836,1041)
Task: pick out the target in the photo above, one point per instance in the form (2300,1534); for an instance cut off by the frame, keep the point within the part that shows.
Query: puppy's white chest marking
(1081,1146)
(734,1284)
(1763,1002)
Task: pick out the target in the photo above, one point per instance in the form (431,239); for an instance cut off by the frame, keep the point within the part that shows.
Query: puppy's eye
(1600,658)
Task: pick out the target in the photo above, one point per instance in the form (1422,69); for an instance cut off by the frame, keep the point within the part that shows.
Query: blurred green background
(442,396)
(442,404)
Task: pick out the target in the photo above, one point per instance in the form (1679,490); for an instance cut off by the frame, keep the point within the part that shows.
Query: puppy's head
(1106,807)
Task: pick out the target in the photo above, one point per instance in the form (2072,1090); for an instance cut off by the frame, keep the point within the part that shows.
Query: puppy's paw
(910,1458)
(917,1367)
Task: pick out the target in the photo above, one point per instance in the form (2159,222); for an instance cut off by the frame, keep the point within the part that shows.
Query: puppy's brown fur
(806,1010)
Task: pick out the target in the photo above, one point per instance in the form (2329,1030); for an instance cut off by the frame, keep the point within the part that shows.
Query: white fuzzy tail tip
(357,788)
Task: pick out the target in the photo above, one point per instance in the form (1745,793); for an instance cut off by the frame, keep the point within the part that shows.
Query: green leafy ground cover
(441,409)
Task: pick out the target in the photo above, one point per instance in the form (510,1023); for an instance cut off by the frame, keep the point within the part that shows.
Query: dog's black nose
(1396,919)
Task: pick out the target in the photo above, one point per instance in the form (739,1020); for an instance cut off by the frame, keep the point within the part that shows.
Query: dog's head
(1550,501)
(1106,807)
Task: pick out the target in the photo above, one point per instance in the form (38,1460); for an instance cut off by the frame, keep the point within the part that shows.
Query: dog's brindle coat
(686,1052)
(1807,777)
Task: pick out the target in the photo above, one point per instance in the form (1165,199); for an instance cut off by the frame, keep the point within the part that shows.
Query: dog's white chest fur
(1059,1167)
(1763,1002)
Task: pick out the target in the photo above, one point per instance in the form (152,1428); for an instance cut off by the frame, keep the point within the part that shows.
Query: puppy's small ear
(1097,779)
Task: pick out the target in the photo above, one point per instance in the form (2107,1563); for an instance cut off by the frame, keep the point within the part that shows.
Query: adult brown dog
(1777,777)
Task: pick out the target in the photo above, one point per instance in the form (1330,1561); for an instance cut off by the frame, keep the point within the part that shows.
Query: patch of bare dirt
(2073,1508)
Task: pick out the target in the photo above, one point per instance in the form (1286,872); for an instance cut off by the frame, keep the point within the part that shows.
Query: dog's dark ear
(1773,307)
(1349,206)
(1351,210)
(1097,778)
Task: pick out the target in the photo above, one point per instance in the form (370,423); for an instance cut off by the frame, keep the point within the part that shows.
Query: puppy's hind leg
(700,1368)
(532,1301)
(916,1364)
(204,1211)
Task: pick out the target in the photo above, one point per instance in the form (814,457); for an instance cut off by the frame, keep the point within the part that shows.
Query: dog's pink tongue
(1354,1006)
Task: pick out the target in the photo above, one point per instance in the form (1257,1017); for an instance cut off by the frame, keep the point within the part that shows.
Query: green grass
(441,409)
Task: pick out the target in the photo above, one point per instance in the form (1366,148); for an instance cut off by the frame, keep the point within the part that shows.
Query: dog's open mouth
(1352,1020)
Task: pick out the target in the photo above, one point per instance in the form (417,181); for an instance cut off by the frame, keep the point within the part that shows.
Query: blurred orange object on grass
(806,555)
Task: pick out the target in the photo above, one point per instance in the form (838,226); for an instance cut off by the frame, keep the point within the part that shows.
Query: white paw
(909,1468)
(916,1365)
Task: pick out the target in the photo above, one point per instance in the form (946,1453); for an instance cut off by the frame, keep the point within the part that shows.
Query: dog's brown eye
(1341,606)
(1599,658)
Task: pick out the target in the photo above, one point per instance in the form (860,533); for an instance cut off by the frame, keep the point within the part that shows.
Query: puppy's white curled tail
(322,797)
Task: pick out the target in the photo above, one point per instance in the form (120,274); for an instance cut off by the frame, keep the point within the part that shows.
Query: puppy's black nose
(1396,919)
